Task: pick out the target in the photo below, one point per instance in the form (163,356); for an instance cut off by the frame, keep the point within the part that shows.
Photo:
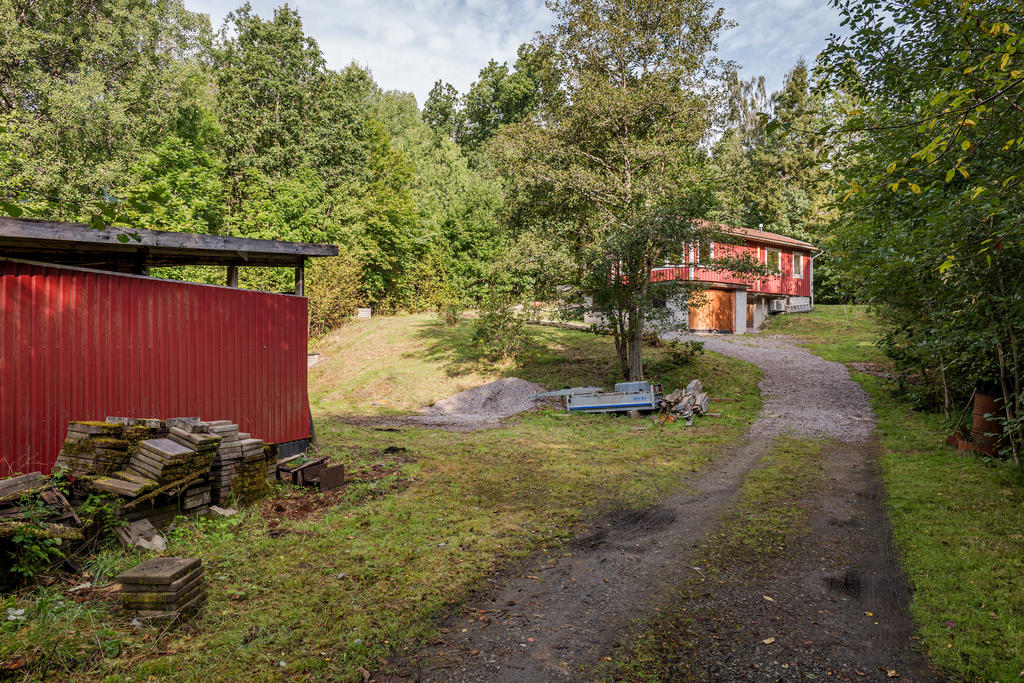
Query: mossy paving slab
(160,570)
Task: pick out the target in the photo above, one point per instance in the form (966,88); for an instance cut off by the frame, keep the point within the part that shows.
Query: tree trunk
(1008,402)
(636,344)
(621,344)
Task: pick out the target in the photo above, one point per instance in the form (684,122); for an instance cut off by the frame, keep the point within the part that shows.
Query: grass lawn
(957,520)
(321,585)
(839,333)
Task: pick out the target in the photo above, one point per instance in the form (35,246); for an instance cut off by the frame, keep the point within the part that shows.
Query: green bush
(333,291)
(499,331)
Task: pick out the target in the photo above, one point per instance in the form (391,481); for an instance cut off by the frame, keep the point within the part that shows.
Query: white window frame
(695,255)
(798,258)
(711,256)
(778,253)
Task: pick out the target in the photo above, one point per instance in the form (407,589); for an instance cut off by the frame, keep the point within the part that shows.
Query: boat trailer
(625,397)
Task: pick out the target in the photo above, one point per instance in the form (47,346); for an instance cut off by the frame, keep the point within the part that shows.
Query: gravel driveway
(802,393)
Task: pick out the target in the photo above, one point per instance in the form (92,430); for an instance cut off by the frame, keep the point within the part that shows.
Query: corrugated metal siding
(81,345)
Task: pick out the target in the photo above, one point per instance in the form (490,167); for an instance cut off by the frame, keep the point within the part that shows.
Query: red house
(734,303)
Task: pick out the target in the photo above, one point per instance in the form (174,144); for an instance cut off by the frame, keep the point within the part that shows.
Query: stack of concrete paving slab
(94,448)
(227,463)
(163,588)
(251,483)
(184,457)
(270,451)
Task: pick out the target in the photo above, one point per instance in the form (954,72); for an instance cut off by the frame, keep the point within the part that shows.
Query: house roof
(765,236)
(131,249)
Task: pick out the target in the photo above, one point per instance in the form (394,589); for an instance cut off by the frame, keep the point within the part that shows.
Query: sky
(409,45)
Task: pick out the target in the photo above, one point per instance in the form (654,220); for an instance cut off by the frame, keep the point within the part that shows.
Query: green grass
(393,365)
(838,333)
(958,520)
(370,573)
(756,529)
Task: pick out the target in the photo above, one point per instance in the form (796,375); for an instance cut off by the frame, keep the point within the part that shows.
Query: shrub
(332,287)
(499,331)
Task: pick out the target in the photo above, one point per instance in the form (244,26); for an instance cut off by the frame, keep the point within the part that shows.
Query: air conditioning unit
(777,305)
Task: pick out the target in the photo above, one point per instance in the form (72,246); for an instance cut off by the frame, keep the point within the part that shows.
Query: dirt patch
(481,407)
(302,504)
(560,614)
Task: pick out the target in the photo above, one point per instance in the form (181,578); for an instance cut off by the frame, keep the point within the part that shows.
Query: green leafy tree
(442,112)
(86,87)
(932,218)
(617,171)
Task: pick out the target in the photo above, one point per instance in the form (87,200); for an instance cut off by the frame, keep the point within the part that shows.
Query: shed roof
(133,249)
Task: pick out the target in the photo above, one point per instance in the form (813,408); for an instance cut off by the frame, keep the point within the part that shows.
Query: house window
(798,265)
(706,254)
(659,302)
(702,255)
(773,259)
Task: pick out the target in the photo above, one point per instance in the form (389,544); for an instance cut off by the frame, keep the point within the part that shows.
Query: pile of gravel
(492,401)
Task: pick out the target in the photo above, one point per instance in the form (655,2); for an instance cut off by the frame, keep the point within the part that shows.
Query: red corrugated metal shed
(79,344)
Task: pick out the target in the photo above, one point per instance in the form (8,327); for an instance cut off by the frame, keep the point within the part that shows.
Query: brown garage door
(716,314)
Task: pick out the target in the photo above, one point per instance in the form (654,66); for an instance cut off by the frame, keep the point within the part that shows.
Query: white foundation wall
(739,311)
(760,311)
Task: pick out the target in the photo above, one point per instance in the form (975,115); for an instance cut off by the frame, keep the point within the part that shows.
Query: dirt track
(557,616)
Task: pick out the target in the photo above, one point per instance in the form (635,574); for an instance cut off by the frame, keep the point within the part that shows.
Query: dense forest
(898,152)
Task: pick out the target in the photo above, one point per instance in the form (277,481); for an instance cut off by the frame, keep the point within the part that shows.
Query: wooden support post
(140,267)
(233,276)
(300,278)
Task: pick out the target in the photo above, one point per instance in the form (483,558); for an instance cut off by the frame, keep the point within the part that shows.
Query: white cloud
(408,45)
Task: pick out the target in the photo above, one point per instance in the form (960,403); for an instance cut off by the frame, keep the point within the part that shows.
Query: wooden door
(716,314)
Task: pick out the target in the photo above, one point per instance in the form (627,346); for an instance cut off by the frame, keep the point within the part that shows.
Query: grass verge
(957,519)
(323,585)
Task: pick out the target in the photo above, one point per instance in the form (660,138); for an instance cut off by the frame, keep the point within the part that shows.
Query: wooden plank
(22,483)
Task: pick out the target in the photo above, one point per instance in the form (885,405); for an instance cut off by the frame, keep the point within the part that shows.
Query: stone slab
(187,424)
(118,486)
(160,570)
(199,439)
(166,448)
(181,587)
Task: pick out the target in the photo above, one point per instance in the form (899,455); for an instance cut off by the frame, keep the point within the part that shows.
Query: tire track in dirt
(557,615)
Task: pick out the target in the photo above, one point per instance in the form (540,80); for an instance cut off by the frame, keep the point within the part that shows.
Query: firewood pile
(683,404)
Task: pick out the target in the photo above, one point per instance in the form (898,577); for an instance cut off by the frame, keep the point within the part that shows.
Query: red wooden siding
(774,284)
(81,345)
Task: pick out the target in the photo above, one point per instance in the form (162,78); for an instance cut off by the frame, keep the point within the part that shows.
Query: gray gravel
(802,393)
(495,400)
(482,407)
